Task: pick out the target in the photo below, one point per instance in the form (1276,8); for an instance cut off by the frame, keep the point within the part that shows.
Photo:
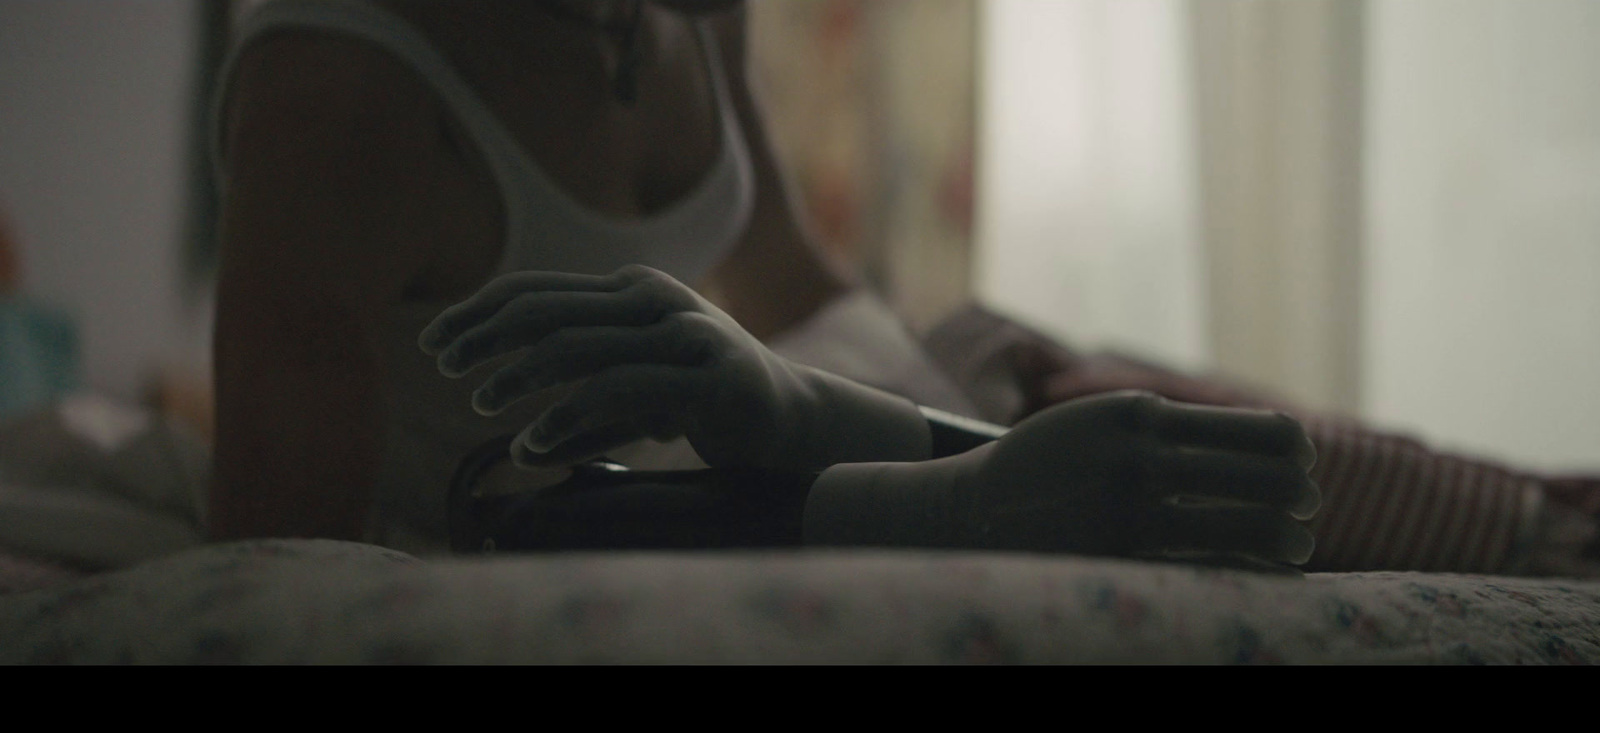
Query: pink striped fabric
(1390,503)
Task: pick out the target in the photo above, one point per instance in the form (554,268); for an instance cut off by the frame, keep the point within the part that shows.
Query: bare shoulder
(331,90)
(328,146)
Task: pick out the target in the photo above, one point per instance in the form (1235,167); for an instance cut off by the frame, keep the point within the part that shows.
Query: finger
(1255,531)
(648,296)
(589,446)
(640,394)
(531,317)
(684,339)
(461,317)
(1279,483)
(1231,428)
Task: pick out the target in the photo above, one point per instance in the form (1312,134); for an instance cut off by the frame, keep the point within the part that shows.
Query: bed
(136,585)
(319,602)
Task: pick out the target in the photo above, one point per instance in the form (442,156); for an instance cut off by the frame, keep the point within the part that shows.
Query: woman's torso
(539,167)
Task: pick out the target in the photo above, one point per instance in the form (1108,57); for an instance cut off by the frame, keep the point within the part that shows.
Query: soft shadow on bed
(117,592)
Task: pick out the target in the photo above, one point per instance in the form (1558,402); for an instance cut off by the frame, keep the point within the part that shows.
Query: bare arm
(779,246)
(320,236)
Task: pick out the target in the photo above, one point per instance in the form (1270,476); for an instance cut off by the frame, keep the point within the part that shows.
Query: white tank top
(685,240)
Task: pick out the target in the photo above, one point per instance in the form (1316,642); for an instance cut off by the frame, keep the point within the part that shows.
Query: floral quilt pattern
(317,602)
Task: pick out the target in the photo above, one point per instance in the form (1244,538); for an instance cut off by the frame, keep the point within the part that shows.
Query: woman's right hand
(1125,474)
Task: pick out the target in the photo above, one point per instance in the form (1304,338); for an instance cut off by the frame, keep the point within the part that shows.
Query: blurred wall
(1087,220)
(1387,208)
(871,107)
(94,124)
(1483,262)
(1279,91)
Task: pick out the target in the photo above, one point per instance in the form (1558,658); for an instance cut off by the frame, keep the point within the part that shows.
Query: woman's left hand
(655,360)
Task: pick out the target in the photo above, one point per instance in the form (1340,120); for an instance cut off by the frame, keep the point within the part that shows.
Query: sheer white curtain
(1279,128)
(1384,207)
(1087,221)
(1179,179)
(1483,226)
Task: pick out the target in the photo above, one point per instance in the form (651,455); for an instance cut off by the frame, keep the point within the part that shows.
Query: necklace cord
(625,82)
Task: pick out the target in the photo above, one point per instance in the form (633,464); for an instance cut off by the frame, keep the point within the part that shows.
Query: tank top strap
(545,227)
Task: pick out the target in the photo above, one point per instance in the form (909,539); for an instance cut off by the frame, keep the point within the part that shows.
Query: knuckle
(678,323)
(707,337)
(635,273)
(1137,409)
(666,335)
(664,289)
(701,337)
(645,297)
(696,326)
(662,282)
(1290,426)
(659,289)
(659,296)
(700,322)
(508,284)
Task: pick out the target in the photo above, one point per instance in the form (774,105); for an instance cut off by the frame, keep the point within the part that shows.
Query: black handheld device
(606,506)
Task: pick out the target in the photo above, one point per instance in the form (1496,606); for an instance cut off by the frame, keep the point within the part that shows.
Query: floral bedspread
(328,602)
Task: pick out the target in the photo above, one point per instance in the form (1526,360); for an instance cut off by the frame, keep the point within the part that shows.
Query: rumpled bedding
(289,602)
(118,591)
(88,483)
